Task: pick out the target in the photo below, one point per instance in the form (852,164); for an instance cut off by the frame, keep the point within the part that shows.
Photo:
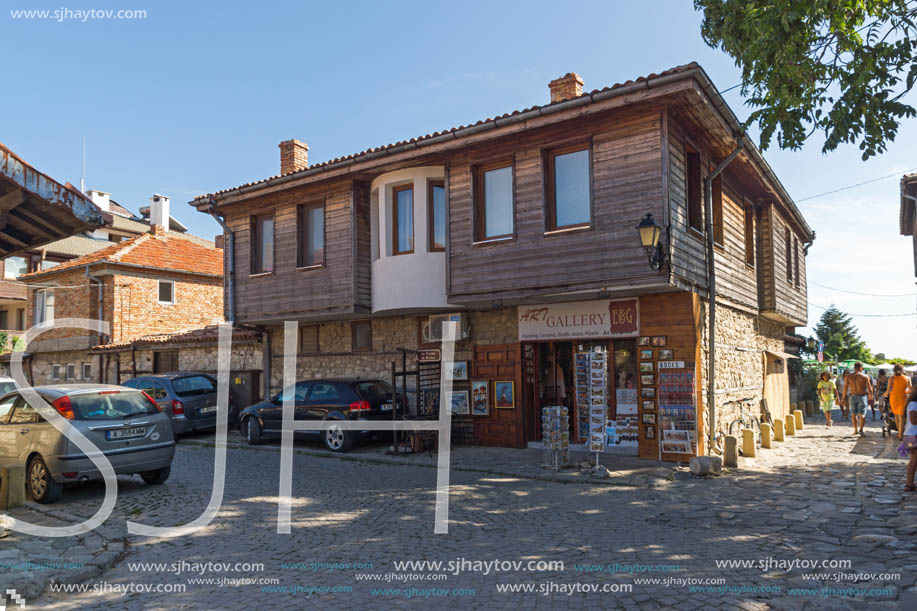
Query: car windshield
(5,387)
(111,405)
(194,385)
(374,391)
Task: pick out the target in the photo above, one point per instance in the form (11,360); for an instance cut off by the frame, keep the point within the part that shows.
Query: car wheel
(335,437)
(41,485)
(159,476)
(252,431)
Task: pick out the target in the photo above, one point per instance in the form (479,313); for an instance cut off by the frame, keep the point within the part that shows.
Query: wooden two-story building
(523,228)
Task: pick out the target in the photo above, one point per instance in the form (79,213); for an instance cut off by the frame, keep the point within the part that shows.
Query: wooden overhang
(36,210)
(907,216)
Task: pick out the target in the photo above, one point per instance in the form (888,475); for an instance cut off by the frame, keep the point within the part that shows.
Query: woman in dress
(827,396)
(899,387)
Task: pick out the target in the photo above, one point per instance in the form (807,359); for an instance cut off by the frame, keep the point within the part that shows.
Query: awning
(36,210)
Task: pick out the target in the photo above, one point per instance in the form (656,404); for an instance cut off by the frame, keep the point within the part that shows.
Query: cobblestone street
(824,495)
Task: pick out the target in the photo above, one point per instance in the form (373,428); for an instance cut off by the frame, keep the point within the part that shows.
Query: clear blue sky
(196,97)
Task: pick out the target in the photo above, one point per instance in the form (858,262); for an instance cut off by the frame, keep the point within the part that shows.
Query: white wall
(414,281)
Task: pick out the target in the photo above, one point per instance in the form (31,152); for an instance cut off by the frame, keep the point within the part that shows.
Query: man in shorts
(858,391)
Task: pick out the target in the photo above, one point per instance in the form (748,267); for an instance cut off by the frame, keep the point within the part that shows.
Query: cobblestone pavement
(824,495)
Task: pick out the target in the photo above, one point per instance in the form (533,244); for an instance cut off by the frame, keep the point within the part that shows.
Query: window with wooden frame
(716,187)
(4,319)
(403,220)
(87,371)
(493,201)
(262,246)
(796,261)
(362,335)
(788,253)
(750,236)
(20,319)
(568,187)
(436,216)
(308,339)
(165,361)
(310,235)
(694,190)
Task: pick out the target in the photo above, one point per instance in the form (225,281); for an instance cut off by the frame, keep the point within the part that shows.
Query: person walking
(909,441)
(899,387)
(842,389)
(827,396)
(858,391)
(881,389)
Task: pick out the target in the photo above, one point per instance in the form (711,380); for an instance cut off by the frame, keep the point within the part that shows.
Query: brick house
(157,282)
(523,227)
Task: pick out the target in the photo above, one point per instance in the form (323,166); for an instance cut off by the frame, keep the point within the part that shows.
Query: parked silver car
(124,423)
(190,399)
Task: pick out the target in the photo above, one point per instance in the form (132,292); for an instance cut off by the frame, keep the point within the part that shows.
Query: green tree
(841,338)
(836,66)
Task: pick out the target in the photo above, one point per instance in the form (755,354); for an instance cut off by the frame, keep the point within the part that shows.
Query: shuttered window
(262,232)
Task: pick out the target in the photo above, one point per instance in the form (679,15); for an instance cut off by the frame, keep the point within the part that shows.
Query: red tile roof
(205,335)
(166,251)
(385,147)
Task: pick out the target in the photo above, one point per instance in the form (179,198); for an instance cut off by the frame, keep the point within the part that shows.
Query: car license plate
(209,409)
(132,433)
(386,407)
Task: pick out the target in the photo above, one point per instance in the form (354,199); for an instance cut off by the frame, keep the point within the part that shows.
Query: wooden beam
(25,224)
(60,231)
(6,235)
(11,200)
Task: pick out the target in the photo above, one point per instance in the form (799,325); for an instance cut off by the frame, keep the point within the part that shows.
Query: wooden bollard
(765,435)
(748,443)
(800,423)
(778,430)
(730,452)
(790,425)
(12,488)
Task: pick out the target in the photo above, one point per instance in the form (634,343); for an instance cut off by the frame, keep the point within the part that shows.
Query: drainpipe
(98,281)
(231,271)
(711,287)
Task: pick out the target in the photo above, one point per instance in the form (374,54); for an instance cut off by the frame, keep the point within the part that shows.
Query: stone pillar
(749,450)
(731,452)
(765,435)
(778,430)
(800,423)
(790,425)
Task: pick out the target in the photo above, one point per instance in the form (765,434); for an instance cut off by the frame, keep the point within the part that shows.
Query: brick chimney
(294,156)
(568,86)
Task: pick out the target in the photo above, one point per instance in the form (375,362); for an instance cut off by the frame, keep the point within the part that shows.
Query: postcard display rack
(678,412)
(591,399)
(555,431)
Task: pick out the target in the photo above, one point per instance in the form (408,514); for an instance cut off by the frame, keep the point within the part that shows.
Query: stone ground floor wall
(741,339)
(336,357)
(42,366)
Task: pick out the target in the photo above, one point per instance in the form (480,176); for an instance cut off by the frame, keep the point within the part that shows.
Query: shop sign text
(599,319)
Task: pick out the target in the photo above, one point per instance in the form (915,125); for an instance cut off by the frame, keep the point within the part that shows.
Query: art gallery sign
(595,319)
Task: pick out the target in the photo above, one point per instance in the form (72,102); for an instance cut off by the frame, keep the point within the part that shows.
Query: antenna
(83,175)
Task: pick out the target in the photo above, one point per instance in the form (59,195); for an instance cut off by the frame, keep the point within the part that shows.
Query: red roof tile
(420,139)
(156,250)
(205,335)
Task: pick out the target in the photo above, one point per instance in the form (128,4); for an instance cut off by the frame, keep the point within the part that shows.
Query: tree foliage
(840,67)
(842,340)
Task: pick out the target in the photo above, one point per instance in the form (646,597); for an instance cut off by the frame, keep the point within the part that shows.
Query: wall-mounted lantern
(650,233)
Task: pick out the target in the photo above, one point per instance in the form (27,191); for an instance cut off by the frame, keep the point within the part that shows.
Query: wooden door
(776,386)
(501,427)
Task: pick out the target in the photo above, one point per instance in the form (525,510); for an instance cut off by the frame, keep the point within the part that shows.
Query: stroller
(888,418)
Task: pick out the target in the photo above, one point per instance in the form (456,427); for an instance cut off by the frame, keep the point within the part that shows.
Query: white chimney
(159,211)
(100,199)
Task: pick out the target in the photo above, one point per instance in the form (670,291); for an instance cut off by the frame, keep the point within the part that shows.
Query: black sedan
(326,401)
